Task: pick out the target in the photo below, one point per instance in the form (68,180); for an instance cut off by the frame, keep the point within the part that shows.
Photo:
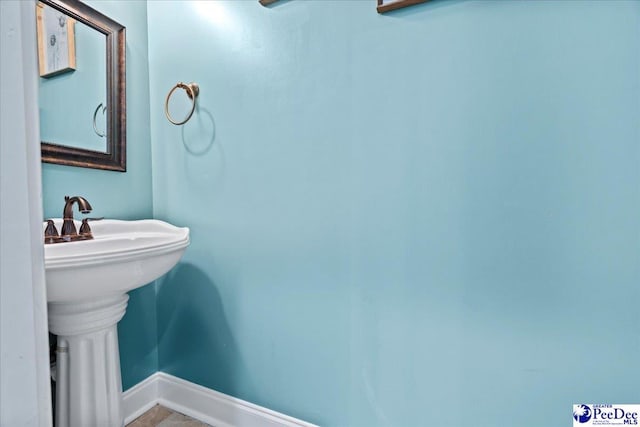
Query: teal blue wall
(121,195)
(423,218)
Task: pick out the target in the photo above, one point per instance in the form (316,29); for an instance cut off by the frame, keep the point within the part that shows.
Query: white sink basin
(87,282)
(122,256)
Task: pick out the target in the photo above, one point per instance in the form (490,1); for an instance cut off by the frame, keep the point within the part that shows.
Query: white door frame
(25,392)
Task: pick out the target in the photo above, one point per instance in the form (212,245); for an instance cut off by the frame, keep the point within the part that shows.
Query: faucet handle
(51,234)
(85,230)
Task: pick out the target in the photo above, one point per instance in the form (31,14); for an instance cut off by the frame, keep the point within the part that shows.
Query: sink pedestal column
(88,382)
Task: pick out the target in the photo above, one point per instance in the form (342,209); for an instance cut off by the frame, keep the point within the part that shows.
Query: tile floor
(159,416)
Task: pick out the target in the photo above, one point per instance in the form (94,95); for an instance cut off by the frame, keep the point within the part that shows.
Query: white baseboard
(140,398)
(206,405)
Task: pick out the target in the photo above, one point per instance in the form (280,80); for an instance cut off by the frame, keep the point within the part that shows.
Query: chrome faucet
(69,232)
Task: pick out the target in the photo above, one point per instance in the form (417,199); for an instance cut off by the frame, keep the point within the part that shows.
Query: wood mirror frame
(389,5)
(115,156)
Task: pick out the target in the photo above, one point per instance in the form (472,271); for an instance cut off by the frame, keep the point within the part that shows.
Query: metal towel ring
(95,113)
(192,90)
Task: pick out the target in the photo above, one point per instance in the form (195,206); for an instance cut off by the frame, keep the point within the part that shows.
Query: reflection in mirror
(68,101)
(82,86)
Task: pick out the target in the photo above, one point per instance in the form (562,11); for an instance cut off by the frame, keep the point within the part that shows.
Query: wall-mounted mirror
(81,55)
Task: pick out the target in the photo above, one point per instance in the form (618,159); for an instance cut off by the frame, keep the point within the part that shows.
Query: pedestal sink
(87,282)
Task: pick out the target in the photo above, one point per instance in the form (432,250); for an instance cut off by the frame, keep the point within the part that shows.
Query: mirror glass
(68,100)
(81,55)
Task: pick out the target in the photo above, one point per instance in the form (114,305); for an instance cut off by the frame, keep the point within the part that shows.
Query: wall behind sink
(121,195)
(423,218)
